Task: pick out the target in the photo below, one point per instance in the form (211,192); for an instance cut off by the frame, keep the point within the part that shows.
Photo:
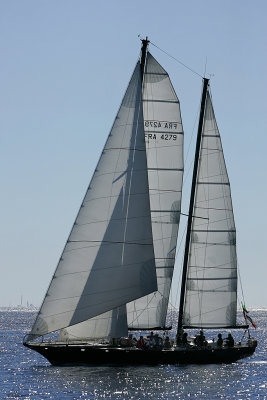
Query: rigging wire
(240,283)
(180,62)
(205,68)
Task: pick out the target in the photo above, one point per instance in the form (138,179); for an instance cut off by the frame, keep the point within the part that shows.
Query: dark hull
(71,354)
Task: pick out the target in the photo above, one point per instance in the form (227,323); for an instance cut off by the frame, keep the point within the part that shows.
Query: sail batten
(212,268)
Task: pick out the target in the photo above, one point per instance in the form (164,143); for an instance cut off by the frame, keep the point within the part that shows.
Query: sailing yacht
(116,269)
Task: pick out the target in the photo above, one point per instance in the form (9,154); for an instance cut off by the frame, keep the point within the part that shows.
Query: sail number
(164,136)
(158,128)
(161,124)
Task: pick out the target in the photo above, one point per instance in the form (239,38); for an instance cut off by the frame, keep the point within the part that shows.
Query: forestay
(212,271)
(164,148)
(108,259)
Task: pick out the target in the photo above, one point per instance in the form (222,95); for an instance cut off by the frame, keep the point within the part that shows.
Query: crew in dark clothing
(158,341)
(230,340)
(184,339)
(220,340)
(200,339)
(140,343)
(167,343)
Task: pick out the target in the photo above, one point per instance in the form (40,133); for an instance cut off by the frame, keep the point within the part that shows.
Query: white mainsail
(164,148)
(211,290)
(108,259)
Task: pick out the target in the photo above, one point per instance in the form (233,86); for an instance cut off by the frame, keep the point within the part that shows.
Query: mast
(191,206)
(165,174)
(143,56)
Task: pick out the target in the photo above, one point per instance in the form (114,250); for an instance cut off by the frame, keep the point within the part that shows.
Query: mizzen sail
(211,289)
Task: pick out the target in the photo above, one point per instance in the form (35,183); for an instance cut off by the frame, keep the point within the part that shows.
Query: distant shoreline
(31,308)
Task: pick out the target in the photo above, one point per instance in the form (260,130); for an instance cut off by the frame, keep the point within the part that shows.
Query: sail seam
(124,148)
(114,219)
(135,194)
(123,219)
(167,211)
(165,222)
(213,208)
(167,133)
(109,242)
(211,149)
(156,147)
(125,172)
(214,325)
(208,244)
(214,183)
(165,169)
(212,199)
(210,291)
(89,247)
(213,130)
(160,101)
(87,295)
(119,172)
(212,279)
(200,268)
(215,136)
(214,230)
(116,266)
(218,220)
(156,73)
(100,269)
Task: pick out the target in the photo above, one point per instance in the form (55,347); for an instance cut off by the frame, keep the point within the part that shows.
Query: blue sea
(26,375)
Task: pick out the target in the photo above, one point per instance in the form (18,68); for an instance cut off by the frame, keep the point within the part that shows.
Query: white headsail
(164,148)
(212,270)
(108,259)
(112,324)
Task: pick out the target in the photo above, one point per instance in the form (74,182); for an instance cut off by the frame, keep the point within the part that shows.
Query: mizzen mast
(191,207)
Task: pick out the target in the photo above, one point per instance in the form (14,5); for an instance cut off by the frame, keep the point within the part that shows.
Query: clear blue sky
(64,66)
